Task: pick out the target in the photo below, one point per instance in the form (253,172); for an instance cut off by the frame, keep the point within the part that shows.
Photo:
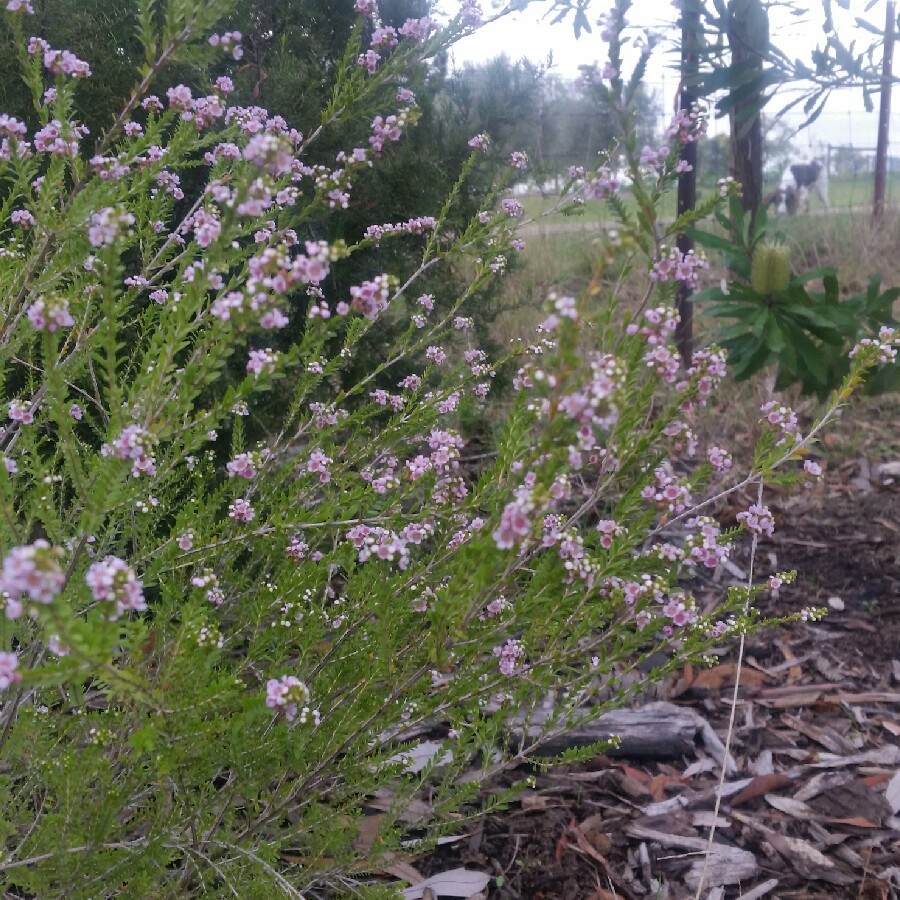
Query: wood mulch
(811,806)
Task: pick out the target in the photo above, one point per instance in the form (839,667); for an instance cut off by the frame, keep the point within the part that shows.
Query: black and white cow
(793,189)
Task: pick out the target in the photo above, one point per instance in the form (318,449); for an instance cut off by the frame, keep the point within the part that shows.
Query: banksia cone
(770,270)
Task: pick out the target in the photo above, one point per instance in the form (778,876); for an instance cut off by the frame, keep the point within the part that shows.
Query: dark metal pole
(884,117)
(687,181)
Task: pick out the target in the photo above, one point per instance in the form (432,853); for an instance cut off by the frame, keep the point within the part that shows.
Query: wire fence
(843,138)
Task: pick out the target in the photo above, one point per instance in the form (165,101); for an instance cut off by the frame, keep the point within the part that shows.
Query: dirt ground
(812,805)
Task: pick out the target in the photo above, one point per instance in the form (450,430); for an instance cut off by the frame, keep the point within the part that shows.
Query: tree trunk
(748,39)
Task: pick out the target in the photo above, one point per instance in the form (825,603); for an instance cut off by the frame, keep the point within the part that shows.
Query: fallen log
(658,730)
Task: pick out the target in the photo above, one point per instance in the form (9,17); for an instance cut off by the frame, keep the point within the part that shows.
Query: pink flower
(720,459)
(9,662)
(514,526)
(261,361)
(246,465)
(811,467)
(518,160)
(241,511)
(509,655)
(32,571)
(271,152)
(22,411)
(318,465)
(112,579)
(758,519)
(55,645)
(290,697)
(107,225)
(22,217)
(50,314)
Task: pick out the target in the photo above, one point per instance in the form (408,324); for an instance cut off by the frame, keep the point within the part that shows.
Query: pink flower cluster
(385,129)
(318,464)
(676,266)
(669,492)
(721,460)
(271,152)
(371,297)
(369,61)
(381,543)
(22,411)
(481,142)
(704,546)
(758,519)
(680,611)
(20,6)
(509,654)
(246,465)
(11,127)
(512,207)
(418,225)
(600,184)
(651,157)
(470,13)
(384,36)
(230,40)
(658,325)
(518,160)
(31,571)
(609,529)
(60,62)
(708,368)
(783,418)
(515,524)
(882,349)
(260,361)
(417,30)
(22,217)
(297,550)
(107,225)
(688,126)
(58,139)
(134,443)
(209,581)
(112,579)
(664,361)
(9,663)
(50,314)
(290,697)
(241,511)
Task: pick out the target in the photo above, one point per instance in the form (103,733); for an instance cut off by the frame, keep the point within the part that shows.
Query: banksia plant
(770,269)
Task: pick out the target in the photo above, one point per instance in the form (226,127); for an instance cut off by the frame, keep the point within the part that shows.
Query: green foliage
(806,331)
(220,655)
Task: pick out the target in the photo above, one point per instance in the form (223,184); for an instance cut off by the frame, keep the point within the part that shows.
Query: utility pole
(884,116)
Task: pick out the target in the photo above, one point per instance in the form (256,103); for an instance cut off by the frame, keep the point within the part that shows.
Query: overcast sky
(844,121)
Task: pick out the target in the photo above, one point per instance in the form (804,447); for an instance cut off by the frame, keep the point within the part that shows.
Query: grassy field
(562,259)
(844,193)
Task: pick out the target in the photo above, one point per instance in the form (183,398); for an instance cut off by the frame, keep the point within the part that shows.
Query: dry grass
(869,426)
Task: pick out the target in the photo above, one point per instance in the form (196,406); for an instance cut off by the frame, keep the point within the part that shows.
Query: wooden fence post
(687,181)
(884,117)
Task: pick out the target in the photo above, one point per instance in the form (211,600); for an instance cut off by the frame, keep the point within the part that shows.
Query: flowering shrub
(216,651)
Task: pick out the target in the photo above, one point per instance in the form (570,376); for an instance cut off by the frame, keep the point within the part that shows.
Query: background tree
(748,40)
